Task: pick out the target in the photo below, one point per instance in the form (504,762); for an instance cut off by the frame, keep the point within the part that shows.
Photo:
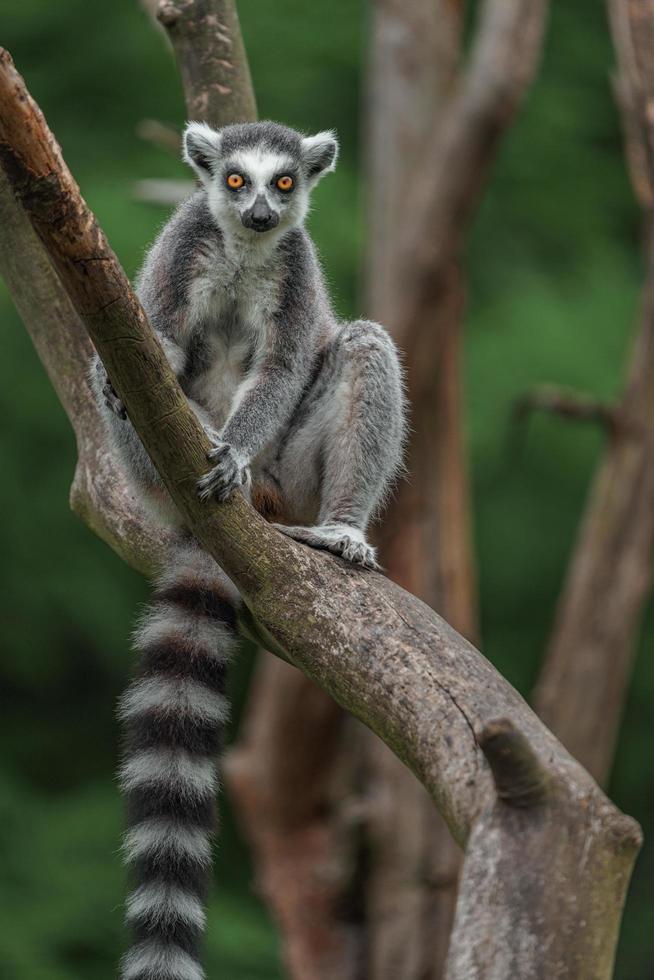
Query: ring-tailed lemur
(306,415)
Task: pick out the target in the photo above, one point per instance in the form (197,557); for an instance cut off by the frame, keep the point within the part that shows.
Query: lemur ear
(319,154)
(201,149)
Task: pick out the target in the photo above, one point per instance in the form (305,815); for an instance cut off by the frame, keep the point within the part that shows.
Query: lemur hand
(111,399)
(230,473)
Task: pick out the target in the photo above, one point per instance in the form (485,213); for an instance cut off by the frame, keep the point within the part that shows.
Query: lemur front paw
(230,473)
(111,399)
(341,539)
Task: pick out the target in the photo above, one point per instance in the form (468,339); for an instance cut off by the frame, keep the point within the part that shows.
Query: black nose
(260,217)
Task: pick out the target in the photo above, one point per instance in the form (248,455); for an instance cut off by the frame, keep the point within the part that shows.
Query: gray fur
(290,396)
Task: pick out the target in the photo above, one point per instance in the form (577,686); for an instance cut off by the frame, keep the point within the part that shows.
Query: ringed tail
(174,714)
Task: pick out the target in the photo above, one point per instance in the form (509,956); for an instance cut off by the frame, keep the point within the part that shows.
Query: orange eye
(285,183)
(235,181)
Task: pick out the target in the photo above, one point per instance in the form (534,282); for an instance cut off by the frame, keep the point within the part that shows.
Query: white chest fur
(231,310)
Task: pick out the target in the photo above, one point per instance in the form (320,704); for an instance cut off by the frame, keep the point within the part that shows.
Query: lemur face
(258,176)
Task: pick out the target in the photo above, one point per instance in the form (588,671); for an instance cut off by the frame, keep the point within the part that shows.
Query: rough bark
(426,537)
(583,684)
(425,547)
(506,913)
(413,863)
(380,652)
(206,38)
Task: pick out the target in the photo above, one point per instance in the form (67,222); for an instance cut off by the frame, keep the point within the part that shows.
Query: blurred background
(554,280)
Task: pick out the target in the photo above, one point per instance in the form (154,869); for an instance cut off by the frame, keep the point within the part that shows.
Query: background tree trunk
(413,862)
(583,684)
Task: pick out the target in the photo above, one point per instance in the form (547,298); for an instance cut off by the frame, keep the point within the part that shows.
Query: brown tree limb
(582,688)
(285,776)
(568,404)
(426,111)
(206,38)
(520,778)
(503,60)
(378,651)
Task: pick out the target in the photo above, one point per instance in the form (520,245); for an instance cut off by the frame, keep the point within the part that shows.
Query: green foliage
(554,276)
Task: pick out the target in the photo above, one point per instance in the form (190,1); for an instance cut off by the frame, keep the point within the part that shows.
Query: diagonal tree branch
(377,650)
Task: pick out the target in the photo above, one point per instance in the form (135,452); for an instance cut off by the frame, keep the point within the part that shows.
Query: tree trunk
(424,540)
(288,776)
(583,684)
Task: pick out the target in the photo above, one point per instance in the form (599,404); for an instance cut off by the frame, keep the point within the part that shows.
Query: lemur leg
(350,427)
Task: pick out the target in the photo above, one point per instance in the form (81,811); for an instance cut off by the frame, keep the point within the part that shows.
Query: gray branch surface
(543,885)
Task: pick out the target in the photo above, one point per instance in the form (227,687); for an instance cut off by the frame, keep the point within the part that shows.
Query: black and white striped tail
(173,715)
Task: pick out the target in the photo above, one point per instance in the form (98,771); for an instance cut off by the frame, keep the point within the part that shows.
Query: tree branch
(568,404)
(211,58)
(584,680)
(502,62)
(378,651)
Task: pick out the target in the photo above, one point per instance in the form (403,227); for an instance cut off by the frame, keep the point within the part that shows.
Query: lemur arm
(265,404)
(266,400)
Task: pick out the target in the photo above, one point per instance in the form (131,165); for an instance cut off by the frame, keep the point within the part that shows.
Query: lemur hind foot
(341,539)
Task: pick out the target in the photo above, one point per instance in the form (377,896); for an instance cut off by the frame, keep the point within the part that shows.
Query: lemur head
(258,176)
